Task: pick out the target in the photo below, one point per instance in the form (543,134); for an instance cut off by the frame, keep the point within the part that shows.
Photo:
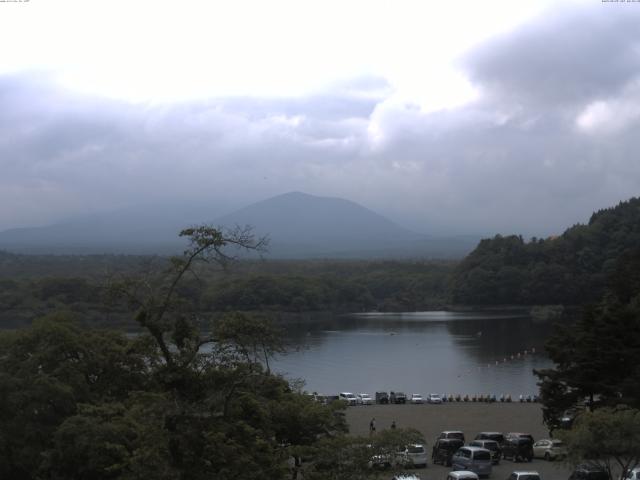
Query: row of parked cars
(466,475)
(480,454)
(517,447)
(417,398)
(387,397)
(474,460)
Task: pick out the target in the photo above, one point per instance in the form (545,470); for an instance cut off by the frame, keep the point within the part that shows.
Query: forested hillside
(33,286)
(569,269)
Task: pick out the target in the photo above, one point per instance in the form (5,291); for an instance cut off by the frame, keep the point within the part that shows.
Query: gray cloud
(563,58)
(552,137)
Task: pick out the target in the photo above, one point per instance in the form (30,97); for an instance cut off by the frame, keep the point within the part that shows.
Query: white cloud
(613,114)
(192,49)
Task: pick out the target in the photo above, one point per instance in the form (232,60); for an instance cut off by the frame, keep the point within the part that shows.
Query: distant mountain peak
(299,225)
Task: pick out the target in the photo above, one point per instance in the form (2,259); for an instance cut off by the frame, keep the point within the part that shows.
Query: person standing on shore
(372,426)
(393,425)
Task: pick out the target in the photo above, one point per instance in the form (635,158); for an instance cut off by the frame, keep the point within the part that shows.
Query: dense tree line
(569,269)
(251,286)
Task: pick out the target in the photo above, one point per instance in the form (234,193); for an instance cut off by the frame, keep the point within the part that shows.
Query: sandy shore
(471,418)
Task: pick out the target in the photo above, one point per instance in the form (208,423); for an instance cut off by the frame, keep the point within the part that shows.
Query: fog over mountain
(298,225)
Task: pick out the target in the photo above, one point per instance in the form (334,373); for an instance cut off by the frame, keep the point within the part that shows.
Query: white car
(524,476)
(462,475)
(549,449)
(413,456)
(416,398)
(364,399)
(350,398)
(434,398)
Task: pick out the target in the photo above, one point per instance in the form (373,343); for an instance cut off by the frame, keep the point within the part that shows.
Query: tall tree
(596,356)
(607,437)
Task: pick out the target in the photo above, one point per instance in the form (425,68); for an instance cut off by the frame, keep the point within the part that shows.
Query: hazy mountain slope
(299,226)
(300,218)
(302,225)
(149,230)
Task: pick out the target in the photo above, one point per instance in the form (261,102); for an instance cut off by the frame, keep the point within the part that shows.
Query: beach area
(469,417)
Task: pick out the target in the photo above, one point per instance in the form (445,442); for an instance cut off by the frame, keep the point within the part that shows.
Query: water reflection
(418,352)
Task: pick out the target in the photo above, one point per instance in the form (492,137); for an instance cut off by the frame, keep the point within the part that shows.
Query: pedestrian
(393,425)
(372,426)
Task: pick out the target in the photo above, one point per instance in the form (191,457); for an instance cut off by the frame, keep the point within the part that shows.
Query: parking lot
(471,418)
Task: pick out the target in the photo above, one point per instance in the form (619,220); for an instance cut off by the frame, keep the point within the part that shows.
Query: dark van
(444,449)
(496,436)
(474,459)
(518,449)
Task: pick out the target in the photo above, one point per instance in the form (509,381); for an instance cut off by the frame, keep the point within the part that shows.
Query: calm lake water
(423,352)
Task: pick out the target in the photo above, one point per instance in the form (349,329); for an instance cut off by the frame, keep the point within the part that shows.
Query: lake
(421,352)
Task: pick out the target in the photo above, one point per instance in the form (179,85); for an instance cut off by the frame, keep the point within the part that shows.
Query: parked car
(492,446)
(444,449)
(434,398)
(462,475)
(412,456)
(566,420)
(496,436)
(588,471)
(350,398)
(382,397)
(416,398)
(549,449)
(520,435)
(475,459)
(517,449)
(530,475)
(381,461)
(452,434)
(406,476)
(364,399)
(632,475)
(397,397)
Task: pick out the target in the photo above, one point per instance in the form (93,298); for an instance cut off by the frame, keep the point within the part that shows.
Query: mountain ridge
(299,225)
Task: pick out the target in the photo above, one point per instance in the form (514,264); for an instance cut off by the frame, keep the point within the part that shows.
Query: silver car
(462,475)
(549,449)
(530,475)
(434,398)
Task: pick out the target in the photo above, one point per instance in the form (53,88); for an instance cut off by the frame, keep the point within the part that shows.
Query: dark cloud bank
(553,135)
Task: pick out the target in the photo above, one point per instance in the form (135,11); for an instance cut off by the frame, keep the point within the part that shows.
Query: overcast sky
(447,117)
